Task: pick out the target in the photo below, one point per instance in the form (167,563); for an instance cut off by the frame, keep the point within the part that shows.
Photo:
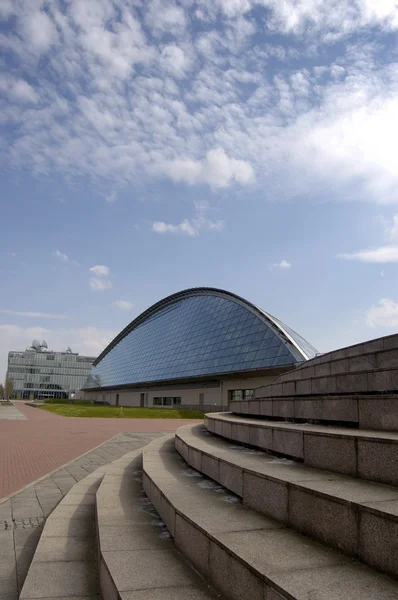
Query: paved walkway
(34,447)
(11,413)
(22,517)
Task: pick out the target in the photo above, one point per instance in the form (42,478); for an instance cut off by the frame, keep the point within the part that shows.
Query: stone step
(64,563)
(355,516)
(376,412)
(369,367)
(370,455)
(137,556)
(243,553)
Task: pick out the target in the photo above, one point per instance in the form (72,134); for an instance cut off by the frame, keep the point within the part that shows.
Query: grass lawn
(120,412)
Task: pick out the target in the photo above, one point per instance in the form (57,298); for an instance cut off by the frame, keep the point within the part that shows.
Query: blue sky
(151,146)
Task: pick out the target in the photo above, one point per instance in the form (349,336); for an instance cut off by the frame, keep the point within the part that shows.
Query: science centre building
(200,348)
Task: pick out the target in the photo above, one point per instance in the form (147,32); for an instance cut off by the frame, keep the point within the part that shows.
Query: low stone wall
(370,367)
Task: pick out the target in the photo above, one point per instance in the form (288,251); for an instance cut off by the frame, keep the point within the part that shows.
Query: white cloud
(39,31)
(33,314)
(191,227)
(217,170)
(163,17)
(65,258)
(18,90)
(282,265)
(383,314)
(100,270)
(100,281)
(174,60)
(123,304)
(382,254)
(91,340)
(197,104)
(111,197)
(98,285)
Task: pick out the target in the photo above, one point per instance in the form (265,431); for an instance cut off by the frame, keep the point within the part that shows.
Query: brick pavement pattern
(31,448)
(22,517)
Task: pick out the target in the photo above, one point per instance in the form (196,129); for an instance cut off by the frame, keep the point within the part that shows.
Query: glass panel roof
(197,335)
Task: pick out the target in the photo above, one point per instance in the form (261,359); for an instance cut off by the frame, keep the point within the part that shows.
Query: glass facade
(192,334)
(47,374)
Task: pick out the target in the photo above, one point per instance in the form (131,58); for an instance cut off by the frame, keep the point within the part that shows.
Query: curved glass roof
(197,332)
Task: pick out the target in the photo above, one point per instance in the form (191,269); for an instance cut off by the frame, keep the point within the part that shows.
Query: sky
(149,146)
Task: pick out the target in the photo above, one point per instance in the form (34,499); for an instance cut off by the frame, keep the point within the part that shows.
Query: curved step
(245,554)
(379,412)
(370,455)
(137,556)
(355,516)
(64,561)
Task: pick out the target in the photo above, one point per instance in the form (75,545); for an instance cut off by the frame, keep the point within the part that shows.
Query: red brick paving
(44,442)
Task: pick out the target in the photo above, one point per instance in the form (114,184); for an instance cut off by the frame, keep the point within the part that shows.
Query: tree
(1,391)
(8,387)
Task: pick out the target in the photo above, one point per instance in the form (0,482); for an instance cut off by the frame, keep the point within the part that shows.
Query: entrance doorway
(117,399)
(142,400)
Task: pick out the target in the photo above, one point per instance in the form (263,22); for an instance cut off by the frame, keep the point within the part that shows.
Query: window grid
(199,335)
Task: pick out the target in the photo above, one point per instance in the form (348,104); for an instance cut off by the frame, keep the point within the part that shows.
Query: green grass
(64,401)
(5,403)
(120,412)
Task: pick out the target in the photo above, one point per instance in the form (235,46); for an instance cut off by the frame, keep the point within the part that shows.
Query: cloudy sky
(149,146)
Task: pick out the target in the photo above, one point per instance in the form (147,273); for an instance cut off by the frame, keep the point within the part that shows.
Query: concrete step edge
(368,411)
(358,453)
(72,520)
(237,568)
(317,503)
(133,553)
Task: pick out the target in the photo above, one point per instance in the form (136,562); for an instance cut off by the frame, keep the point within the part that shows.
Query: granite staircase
(291,495)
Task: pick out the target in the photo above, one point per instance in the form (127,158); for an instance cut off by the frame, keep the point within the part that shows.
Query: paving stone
(8,579)
(345,582)
(24,558)
(333,453)
(271,551)
(379,543)
(266,496)
(169,572)
(229,575)
(27,537)
(6,545)
(174,593)
(192,542)
(231,477)
(68,528)
(65,549)
(79,499)
(73,511)
(145,537)
(56,578)
(333,523)
(378,461)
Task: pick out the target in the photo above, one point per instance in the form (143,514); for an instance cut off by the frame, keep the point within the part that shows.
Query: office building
(39,373)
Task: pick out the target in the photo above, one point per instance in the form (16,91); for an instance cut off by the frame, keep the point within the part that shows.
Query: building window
(238,395)
(50,357)
(166,401)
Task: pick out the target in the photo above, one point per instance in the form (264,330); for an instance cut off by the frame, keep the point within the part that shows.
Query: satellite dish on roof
(44,344)
(69,350)
(36,345)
